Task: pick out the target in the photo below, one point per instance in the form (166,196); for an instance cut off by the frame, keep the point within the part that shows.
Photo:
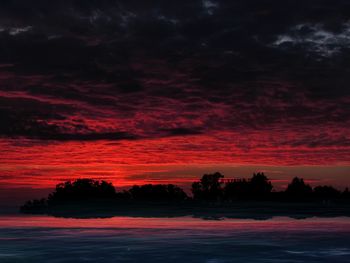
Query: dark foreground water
(184,239)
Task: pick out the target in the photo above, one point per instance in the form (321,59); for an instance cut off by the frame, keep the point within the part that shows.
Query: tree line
(211,188)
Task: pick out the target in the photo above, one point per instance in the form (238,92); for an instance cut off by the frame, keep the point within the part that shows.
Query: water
(184,239)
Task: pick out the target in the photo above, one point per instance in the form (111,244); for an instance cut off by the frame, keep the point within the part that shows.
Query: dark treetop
(210,191)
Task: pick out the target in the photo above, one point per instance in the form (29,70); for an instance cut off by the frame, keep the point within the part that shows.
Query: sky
(164,91)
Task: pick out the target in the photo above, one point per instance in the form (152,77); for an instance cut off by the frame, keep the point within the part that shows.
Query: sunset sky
(163,91)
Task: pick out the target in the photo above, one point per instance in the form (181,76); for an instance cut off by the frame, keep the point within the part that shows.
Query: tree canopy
(82,189)
(298,188)
(159,192)
(210,188)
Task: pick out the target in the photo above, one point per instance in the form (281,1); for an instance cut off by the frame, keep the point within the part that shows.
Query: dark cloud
(181,131)
(88,70)
(34,125)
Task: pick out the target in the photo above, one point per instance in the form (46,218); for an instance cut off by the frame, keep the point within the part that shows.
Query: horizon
(14,197)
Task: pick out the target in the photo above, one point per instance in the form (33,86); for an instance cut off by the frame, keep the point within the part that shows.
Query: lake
(26,238)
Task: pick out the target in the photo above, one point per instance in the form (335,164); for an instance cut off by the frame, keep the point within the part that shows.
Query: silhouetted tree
(158,192)
(257,187)
(260,185)
(236,189)
(297,189)
(123,196)
(326,192)
(345,194)
(82,189)
(208,188)
(34,206)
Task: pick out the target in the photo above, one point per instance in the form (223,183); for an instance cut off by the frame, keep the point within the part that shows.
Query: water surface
(126,239)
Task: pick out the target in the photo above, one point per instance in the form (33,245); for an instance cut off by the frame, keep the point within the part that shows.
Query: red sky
(35,164)
(153,91)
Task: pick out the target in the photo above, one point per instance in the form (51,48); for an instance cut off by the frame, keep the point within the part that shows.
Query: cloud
(209,6)
(14,31)
(314,38)
(242,76)
(181,131)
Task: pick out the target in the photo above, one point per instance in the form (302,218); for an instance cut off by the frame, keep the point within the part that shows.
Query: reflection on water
(124,239)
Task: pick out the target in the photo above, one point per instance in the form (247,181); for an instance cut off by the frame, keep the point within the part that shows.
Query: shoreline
(248,210)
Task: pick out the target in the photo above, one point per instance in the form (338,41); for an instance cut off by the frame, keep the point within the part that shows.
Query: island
(212,197)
